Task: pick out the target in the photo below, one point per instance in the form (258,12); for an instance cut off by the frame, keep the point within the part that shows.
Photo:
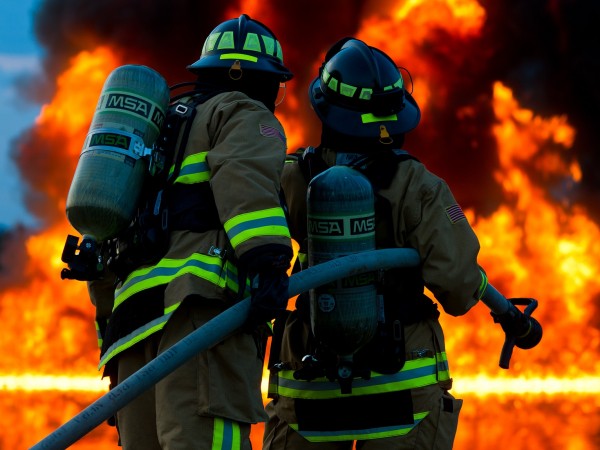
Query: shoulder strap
(184,112)
(311,163)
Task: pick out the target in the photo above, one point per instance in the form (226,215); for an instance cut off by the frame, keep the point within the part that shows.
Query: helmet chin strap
(281,85)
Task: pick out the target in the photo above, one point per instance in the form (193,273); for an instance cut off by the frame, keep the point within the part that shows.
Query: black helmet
(360,93)
(242,44)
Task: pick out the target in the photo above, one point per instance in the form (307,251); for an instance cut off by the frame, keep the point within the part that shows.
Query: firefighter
(226,238)
(404,401)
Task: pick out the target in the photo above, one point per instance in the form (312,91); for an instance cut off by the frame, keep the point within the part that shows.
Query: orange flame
(535,244)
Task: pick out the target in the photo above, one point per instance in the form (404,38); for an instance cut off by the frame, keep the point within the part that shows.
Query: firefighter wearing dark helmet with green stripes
(399,398)
(227,238)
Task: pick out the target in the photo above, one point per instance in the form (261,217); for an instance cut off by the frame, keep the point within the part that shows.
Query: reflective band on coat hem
(350,435)
(134,337)
(203,266)
(415,374)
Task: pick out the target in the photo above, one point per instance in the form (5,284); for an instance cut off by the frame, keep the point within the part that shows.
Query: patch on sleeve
(455,213)
(269,131)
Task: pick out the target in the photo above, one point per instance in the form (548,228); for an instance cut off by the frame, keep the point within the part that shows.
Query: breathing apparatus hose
(220,328)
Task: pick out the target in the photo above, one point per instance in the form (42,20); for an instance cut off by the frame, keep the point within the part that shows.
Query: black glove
(269,290)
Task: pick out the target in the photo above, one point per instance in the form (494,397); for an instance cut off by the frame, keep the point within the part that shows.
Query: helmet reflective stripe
(348,90)
(270,45)
(252,43)
(238,56)
(226,40)
(210,42)
(370,118)
(352,435)
(365,94)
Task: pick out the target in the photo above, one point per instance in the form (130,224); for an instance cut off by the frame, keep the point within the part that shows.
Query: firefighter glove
(269,290)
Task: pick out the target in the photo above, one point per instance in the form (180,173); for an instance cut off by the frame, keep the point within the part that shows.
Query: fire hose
(226,323)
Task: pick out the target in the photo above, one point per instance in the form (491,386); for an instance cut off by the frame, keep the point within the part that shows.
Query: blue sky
(19,55)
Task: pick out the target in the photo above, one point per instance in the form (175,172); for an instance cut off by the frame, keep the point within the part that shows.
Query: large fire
(535,243)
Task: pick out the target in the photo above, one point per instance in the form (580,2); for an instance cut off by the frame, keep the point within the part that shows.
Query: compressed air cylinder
(341,221)
(111,170)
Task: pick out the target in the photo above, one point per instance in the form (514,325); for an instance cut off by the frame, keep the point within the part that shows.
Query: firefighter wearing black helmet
(402,401)
(226,239)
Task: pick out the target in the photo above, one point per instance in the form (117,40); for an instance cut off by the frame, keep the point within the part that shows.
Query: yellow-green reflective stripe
(347,90)
(333,84)
(194,169)
(267,222)
(133,338)
(203,266)
(325,75)
(369,433)
(370,118)
(252,42)
(365,94)
(226,435)
(415,373)
(227,40)
(209,45)
(279,52)
(98,334)
(269,43)
(483,286)
(238,56)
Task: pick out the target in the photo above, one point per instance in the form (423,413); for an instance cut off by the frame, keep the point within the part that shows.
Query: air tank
(111,170)
(341,221)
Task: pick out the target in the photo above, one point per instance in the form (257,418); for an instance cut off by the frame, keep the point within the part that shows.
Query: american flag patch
(269,131)
(455,213)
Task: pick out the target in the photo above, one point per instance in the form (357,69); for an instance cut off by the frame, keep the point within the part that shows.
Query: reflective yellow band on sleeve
(194,169)
(267,222)
(483,286)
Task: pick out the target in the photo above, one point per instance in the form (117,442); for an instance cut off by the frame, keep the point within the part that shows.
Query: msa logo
(362,225)
(135,105)
(326,227)
(110,139)
(359,280)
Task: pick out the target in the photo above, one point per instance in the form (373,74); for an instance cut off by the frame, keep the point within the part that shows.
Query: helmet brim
(215,62)
(353,123)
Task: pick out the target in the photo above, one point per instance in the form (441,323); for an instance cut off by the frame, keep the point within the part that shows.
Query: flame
(536,243)
(534,246)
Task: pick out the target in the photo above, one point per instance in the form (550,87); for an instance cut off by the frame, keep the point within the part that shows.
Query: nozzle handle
(520,328)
